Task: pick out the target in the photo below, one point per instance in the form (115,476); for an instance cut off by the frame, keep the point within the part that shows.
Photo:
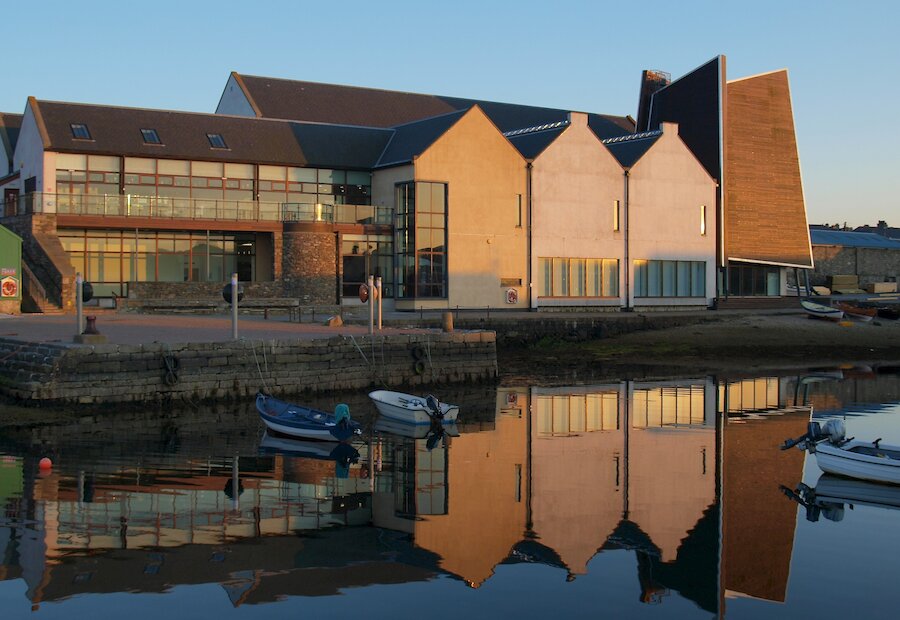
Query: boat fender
(419,367)
(418,352)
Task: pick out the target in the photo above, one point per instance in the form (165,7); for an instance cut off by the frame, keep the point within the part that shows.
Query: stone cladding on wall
(310,267)
(236,370)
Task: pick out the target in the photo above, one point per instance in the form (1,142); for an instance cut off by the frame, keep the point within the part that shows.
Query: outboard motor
(834,430)
(434,406)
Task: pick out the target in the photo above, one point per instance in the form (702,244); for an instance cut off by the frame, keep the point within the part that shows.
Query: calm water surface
(623,499)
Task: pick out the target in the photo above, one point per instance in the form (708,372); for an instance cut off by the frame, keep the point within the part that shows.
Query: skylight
(150,136)
(80,131)
(216,141)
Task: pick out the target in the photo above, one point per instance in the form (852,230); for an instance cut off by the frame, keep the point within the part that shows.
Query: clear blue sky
(843,60)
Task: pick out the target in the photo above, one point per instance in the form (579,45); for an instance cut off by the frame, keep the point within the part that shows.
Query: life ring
(418,352)
(419,367)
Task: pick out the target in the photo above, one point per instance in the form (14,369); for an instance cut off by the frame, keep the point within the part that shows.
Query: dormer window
(80,131)
(150,136)
(216,141)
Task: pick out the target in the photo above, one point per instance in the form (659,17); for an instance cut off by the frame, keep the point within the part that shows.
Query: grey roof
(10,124)
(852,239)
(629,150)
(352,105)
(412,139)
(116,131)
(891,232)
(532,144)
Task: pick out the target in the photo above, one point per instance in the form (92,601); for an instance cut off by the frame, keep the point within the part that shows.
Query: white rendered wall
(30,159)
(575,182)
(666,188)
(233,100)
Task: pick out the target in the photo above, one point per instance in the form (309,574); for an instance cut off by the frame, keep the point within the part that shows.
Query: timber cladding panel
(765,216)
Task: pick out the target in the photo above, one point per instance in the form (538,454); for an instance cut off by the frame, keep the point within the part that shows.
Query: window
(703,220)
(578,277)
(80,131)
(421,239)
(150,136)
(669,278)
(616,215)
(216,141)
(754,281)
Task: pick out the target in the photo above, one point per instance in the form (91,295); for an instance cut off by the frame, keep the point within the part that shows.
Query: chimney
(651,81)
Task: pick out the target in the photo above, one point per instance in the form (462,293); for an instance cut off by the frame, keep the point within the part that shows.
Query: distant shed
(869,256)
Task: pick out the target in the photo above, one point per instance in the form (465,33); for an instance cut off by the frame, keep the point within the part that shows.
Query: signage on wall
(512,296)
(9,287)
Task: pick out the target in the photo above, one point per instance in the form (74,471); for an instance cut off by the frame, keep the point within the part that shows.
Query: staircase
(34,295)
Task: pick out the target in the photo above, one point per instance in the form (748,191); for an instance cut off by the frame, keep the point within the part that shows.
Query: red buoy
(45,463)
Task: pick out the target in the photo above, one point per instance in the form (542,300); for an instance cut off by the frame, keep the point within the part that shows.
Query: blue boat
(304,422)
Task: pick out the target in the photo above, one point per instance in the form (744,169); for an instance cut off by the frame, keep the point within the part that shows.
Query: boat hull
(302,422)
(409,408)
(822,312)
(842,461)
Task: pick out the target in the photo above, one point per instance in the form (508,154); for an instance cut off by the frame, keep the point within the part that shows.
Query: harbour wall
(50,373)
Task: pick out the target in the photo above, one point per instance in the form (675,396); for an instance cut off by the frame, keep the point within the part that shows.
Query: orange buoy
(45,463)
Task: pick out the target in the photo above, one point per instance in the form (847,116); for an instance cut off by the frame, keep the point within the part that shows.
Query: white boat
(864,460)
(412,409)
(832,493)
(414,431)
(821,312)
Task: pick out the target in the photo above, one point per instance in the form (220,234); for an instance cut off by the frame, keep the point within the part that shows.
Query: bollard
(91,324)
(447,324)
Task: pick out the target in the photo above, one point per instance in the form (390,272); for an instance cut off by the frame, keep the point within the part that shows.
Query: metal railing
(131,205)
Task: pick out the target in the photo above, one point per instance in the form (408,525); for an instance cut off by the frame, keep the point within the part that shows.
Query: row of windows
(669,278)
(111,259)
(420,239)
(578,277)
(80,131)
(101,175)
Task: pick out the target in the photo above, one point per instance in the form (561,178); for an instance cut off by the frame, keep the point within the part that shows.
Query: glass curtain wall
(421,240)
(109,259)
(364,255)
(754,281)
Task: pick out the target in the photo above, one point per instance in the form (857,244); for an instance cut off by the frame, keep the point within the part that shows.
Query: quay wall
(49,373)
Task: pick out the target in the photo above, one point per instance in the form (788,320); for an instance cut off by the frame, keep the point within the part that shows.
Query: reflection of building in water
(486,510)
(628,465)
(757,524)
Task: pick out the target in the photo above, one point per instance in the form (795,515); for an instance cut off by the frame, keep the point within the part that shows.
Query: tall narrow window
(80,131)
(615,215)
(519,225)
(703,220)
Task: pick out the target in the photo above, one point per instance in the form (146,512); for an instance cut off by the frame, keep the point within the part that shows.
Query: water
(622,499)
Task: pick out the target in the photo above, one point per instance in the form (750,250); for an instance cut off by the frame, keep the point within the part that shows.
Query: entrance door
(10,198)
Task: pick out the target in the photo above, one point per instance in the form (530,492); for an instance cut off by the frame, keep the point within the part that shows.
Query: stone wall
(10,306)
(870,264)
(46,373)
(211,291)
(310,267)
(45,256)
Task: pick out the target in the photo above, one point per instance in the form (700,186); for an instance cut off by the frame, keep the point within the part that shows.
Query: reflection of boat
(305,422)
(341,452)
(832,492)
(884,312)
(821,312)
(412,409)
(414,431)
(865,460)
(857,312)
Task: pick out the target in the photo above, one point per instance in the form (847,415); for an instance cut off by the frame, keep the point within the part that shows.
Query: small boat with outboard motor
(413,409)
(836,454)
(305,422)
(832,493)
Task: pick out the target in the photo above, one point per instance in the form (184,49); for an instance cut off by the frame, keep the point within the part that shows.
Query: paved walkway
(147,328)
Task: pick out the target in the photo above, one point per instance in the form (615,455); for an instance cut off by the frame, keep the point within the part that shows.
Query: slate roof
(412,139)
(852,239)
(10,124)
(352,105)
(885,231)
(532,144)
(628,151)
(117,131)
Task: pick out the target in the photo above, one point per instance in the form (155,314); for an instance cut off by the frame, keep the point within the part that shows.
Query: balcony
(199,209)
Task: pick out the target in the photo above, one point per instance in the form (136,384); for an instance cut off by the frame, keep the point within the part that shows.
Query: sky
(843,62)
